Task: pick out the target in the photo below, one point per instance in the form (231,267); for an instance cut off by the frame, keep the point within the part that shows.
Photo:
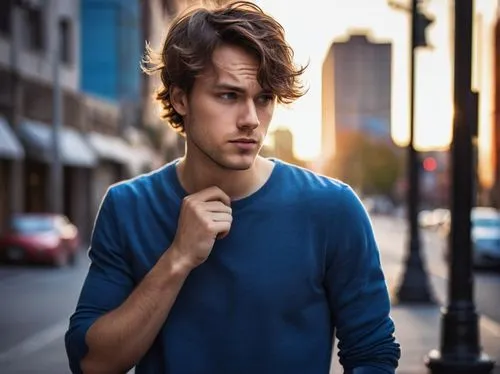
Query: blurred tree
(382,168)
(368,164)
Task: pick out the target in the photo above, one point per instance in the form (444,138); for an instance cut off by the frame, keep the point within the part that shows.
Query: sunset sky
(313,26)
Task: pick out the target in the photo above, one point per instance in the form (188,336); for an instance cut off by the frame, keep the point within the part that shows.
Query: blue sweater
(299,263)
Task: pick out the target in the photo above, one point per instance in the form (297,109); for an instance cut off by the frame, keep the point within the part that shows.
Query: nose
(248,117)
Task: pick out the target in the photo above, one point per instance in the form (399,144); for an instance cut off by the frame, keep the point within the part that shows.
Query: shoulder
(141,186)
(314,188)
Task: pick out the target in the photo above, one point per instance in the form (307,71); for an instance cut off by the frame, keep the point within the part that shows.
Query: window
(5,10)
(65,40)
(35,32)
(32,224)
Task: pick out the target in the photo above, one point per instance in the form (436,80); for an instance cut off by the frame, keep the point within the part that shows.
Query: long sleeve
(357,292)
(107,285)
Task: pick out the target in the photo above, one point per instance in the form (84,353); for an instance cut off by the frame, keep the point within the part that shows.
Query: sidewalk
(418,328)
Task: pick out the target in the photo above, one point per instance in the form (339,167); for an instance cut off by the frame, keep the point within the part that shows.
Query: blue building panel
(111,49)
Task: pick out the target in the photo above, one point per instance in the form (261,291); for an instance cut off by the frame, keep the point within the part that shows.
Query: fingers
(222,235)
(211,206)
(211,194)
(221,217)
(221,228)
(217,206)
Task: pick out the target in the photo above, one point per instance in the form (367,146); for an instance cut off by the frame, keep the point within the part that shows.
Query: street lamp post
(459,349)
(16,203)
(57,170)
(414,287)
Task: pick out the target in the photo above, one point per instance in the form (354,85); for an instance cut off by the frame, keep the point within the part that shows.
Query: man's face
(227,113)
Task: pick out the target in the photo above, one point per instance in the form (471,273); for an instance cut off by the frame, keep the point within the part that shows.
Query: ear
(178,99)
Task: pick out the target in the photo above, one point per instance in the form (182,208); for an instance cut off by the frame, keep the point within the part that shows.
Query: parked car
(439,218)
(433,219)
(485,237)
(425,219)
(40,238)
(378,205)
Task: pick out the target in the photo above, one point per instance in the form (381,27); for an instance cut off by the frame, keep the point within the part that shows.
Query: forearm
(119,339)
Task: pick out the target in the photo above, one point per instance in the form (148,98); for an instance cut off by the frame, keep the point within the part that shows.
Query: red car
(40,238)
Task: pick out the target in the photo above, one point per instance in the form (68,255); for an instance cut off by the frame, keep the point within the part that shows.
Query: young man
(224,262)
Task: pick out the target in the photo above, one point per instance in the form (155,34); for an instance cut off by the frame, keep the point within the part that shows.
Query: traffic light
(423,21)
(429,164)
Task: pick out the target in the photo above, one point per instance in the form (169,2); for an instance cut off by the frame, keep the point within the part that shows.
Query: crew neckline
(235,204)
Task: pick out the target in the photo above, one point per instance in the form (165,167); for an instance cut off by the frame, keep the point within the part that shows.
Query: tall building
(356,90)
(99,129)
(356,110)
(112,45)
(39,44)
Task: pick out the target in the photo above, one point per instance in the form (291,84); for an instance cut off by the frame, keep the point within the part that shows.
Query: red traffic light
(429,164)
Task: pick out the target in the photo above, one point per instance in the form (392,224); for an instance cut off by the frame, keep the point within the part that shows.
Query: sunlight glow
(311,30)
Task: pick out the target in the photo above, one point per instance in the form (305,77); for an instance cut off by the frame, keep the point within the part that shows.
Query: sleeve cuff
(370,370)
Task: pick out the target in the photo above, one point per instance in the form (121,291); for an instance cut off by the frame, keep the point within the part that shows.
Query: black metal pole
(56,192)
(16,188)
(459,350)
(476,188)
(414,287)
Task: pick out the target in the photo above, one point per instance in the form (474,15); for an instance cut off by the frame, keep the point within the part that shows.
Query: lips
(244,140)
(245,144)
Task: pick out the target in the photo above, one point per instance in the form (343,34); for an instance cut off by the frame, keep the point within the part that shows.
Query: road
(37,301)
(391,237)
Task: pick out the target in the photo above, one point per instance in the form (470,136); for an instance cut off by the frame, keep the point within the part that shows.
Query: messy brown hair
(193,37)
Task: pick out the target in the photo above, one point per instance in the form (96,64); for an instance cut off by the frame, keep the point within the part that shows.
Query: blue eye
(228,96)
(265,99)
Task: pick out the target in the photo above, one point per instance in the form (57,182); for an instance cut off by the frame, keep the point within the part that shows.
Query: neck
(195,176)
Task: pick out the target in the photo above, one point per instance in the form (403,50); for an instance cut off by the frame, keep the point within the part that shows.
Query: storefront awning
(37,138)
(111,148)
(10,147)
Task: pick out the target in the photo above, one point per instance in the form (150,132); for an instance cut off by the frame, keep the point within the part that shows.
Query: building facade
(112,43)
(39,60)
(112,47)
(356,100)
(91,96)
(357,87)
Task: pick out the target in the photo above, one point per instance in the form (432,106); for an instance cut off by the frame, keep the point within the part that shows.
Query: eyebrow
(232,87)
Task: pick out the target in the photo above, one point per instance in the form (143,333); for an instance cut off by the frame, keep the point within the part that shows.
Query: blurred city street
(39,300)
(402,104)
